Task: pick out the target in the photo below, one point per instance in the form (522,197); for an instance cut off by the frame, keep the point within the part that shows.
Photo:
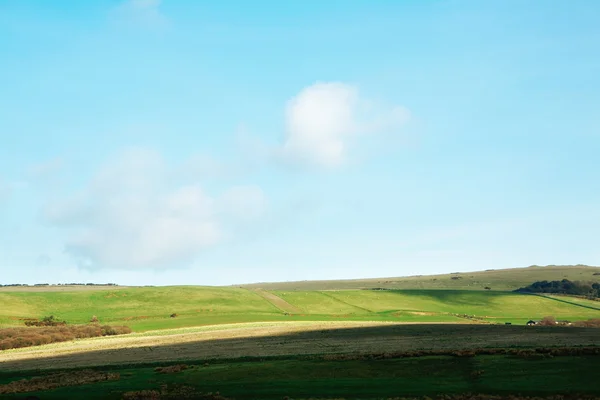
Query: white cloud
(131,215)
(323,119)
(145,13)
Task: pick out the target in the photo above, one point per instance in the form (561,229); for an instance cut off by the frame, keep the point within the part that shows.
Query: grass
(501,279)
(149,308)
(352,379)
(288,339)
(484,304)
(259,339)
(140,308)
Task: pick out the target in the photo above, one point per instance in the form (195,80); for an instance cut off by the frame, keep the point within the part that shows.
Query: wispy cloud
(131,215)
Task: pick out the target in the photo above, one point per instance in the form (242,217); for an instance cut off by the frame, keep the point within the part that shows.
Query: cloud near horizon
(323,120)
(130,215)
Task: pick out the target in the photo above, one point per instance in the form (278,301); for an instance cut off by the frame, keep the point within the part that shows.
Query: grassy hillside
(501,279)
(326,317)
(492,306)
(150,308)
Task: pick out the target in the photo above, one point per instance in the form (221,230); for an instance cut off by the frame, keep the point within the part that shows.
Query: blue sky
(185,142)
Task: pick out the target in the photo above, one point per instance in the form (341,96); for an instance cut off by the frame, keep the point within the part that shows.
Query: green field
(288,339)
(143,308)
(268,341)
(321,361)
(356,379)
(150,308)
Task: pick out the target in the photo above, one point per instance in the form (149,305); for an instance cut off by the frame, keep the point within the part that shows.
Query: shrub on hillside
(108,330)
(171,369)
(46,321)
(94,319)
(548,321)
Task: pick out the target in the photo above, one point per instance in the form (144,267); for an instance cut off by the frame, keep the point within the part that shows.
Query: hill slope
(501,279)
(145,309)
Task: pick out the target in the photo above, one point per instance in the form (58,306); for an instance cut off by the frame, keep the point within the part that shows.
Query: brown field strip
(288,339)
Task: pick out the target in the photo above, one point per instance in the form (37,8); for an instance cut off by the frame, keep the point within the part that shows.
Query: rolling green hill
(501,279)
(356,309)
(148,308)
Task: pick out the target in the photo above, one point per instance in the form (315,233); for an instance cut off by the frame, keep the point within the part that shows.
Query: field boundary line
(345,302)
(566,301)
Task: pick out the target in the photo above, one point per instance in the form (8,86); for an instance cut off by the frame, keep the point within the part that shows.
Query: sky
(148,142)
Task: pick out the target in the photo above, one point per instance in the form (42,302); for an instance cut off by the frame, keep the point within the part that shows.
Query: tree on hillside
(577,288)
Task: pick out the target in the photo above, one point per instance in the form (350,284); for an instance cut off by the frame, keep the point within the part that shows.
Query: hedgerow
(12,338)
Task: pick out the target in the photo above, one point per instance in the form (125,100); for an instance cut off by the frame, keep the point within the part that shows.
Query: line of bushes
(12,338)
(590,323)
(551,321)
(172,392)
(171,369)
(470,396)
(522,353)
(46,321)
(53,381)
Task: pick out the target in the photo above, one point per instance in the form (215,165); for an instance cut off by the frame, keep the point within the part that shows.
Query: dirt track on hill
(278,301)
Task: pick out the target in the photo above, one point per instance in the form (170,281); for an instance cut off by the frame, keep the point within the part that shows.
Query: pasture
(150,308)
(354,379)
(364,339)
(288,339)
(324,360)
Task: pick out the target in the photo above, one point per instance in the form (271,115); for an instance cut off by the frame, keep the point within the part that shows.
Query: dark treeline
(577,288)
(59,284)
